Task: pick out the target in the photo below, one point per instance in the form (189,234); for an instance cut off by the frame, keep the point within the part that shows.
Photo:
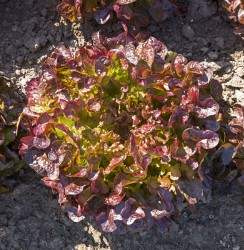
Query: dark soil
(30,217)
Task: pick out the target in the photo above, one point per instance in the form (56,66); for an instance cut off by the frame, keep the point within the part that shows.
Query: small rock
(228,69)
(17,72)
(236,248)
(215,66)
(222,243)
(50,38)
(213,55)
(32,45)
(58,37)
(220,42)
(20,59)
(42,40)
(9,50)
(204,49)
(239,95)
(44,12)
(240,71)
(188,32)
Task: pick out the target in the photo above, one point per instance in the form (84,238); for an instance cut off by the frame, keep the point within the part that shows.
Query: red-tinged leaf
(122,180)
(92,176)
(206,108)
(74,213)
(109,226)
(157,45)
(102,16)
(39,129)
(123,11)
(163,152)
(167,198)
(61,194)
(28,140)
(179,63)
(97,40)
(23,149)
(94,105)
(194,68)
(145,129)
(211,124)
(216,89)
(138,214)
(206,76)
(193,94)
(73,189)
(41,143)
(50,183)
(101,218)
(221,158)
(206,139)
(42,165)
(127,209)
(115,162)
(158,214)
(34,90)
(114,200)
(145,52)
(63,53)
(63,127)
(52,154)
(192,190)
(173,83)
(192,164)
(178,117)
(82,173)
(75,218)
(101,186)
(85,196)
(130,53)
(238,112)
(135,152)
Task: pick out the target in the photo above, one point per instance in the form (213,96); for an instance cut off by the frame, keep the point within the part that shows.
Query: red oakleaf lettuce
(124,10)
(124,132)
(10,111)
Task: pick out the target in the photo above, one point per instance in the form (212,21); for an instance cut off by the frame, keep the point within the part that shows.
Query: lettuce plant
(124,131)
(124,9)
(235,136)
(235,10)
(10,110)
